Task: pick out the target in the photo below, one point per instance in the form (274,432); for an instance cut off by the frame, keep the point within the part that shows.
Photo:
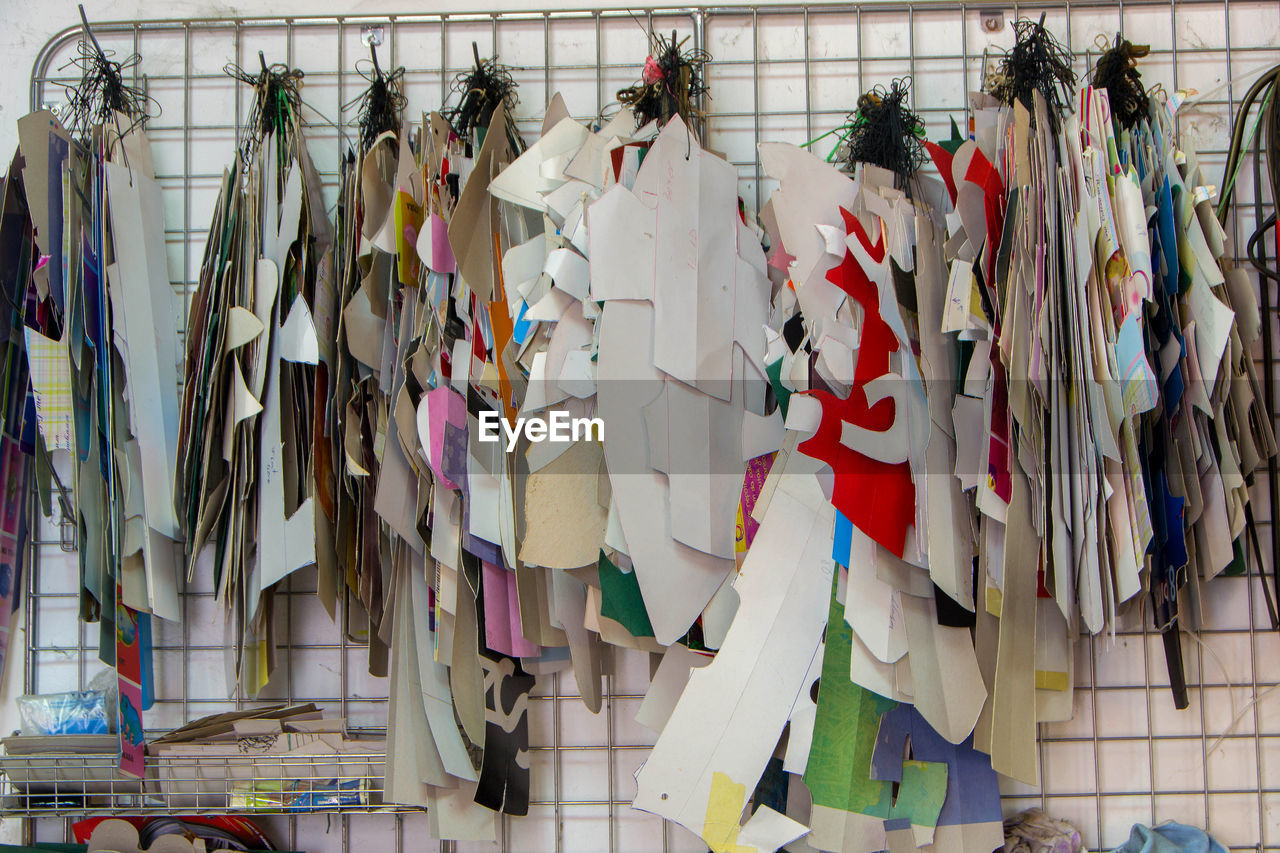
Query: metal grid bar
(785,73)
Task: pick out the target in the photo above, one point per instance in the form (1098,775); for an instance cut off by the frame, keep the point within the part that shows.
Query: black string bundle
(1037,62)
(102,92)
(277,100)
(671,83)
(481,91)
(382,104)
(1117,72)
(885,132)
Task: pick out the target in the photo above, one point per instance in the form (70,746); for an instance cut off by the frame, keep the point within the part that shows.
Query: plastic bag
(81,712)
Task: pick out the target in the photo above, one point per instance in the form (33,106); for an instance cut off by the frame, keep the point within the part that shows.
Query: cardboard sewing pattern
(650,333)
(968,817)
(758,671)
(23,420)
(247,429)
(849,805)
(865,436)
(85,266)
(504,777)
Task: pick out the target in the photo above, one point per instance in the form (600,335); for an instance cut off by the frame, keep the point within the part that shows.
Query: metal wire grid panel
(784,73)
(264,783)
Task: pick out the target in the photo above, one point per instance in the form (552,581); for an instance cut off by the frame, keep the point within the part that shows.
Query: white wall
(28,25)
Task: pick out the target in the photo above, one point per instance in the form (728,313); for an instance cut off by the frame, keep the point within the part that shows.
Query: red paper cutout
(942,159)
(878,498)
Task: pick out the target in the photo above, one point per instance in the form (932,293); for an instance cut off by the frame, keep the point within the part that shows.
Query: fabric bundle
(1033,831)
(1169,837)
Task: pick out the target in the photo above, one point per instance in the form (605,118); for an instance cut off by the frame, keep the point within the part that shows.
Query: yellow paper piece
(994,601)
(1051,680)
(724,810)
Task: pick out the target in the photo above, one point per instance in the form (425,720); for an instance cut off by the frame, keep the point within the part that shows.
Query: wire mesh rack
(779,73)
(201,780)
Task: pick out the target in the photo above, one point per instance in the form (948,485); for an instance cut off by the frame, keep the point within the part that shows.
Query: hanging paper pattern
(247,471)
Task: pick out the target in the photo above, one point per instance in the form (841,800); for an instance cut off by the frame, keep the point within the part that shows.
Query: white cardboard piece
(732,713)
(667,684)
(675,580)
(137,217)
(525,181)
(285,544)
(812,194)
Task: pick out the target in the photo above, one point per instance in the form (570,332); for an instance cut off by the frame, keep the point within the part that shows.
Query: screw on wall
(992,20)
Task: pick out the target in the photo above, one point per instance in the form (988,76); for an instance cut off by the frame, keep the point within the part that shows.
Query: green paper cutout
(620,599)
(921,792)
(780,391)
(952,145)
(845,730)
(1237,566)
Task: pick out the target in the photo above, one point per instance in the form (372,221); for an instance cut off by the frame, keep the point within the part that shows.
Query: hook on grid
(992,20)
